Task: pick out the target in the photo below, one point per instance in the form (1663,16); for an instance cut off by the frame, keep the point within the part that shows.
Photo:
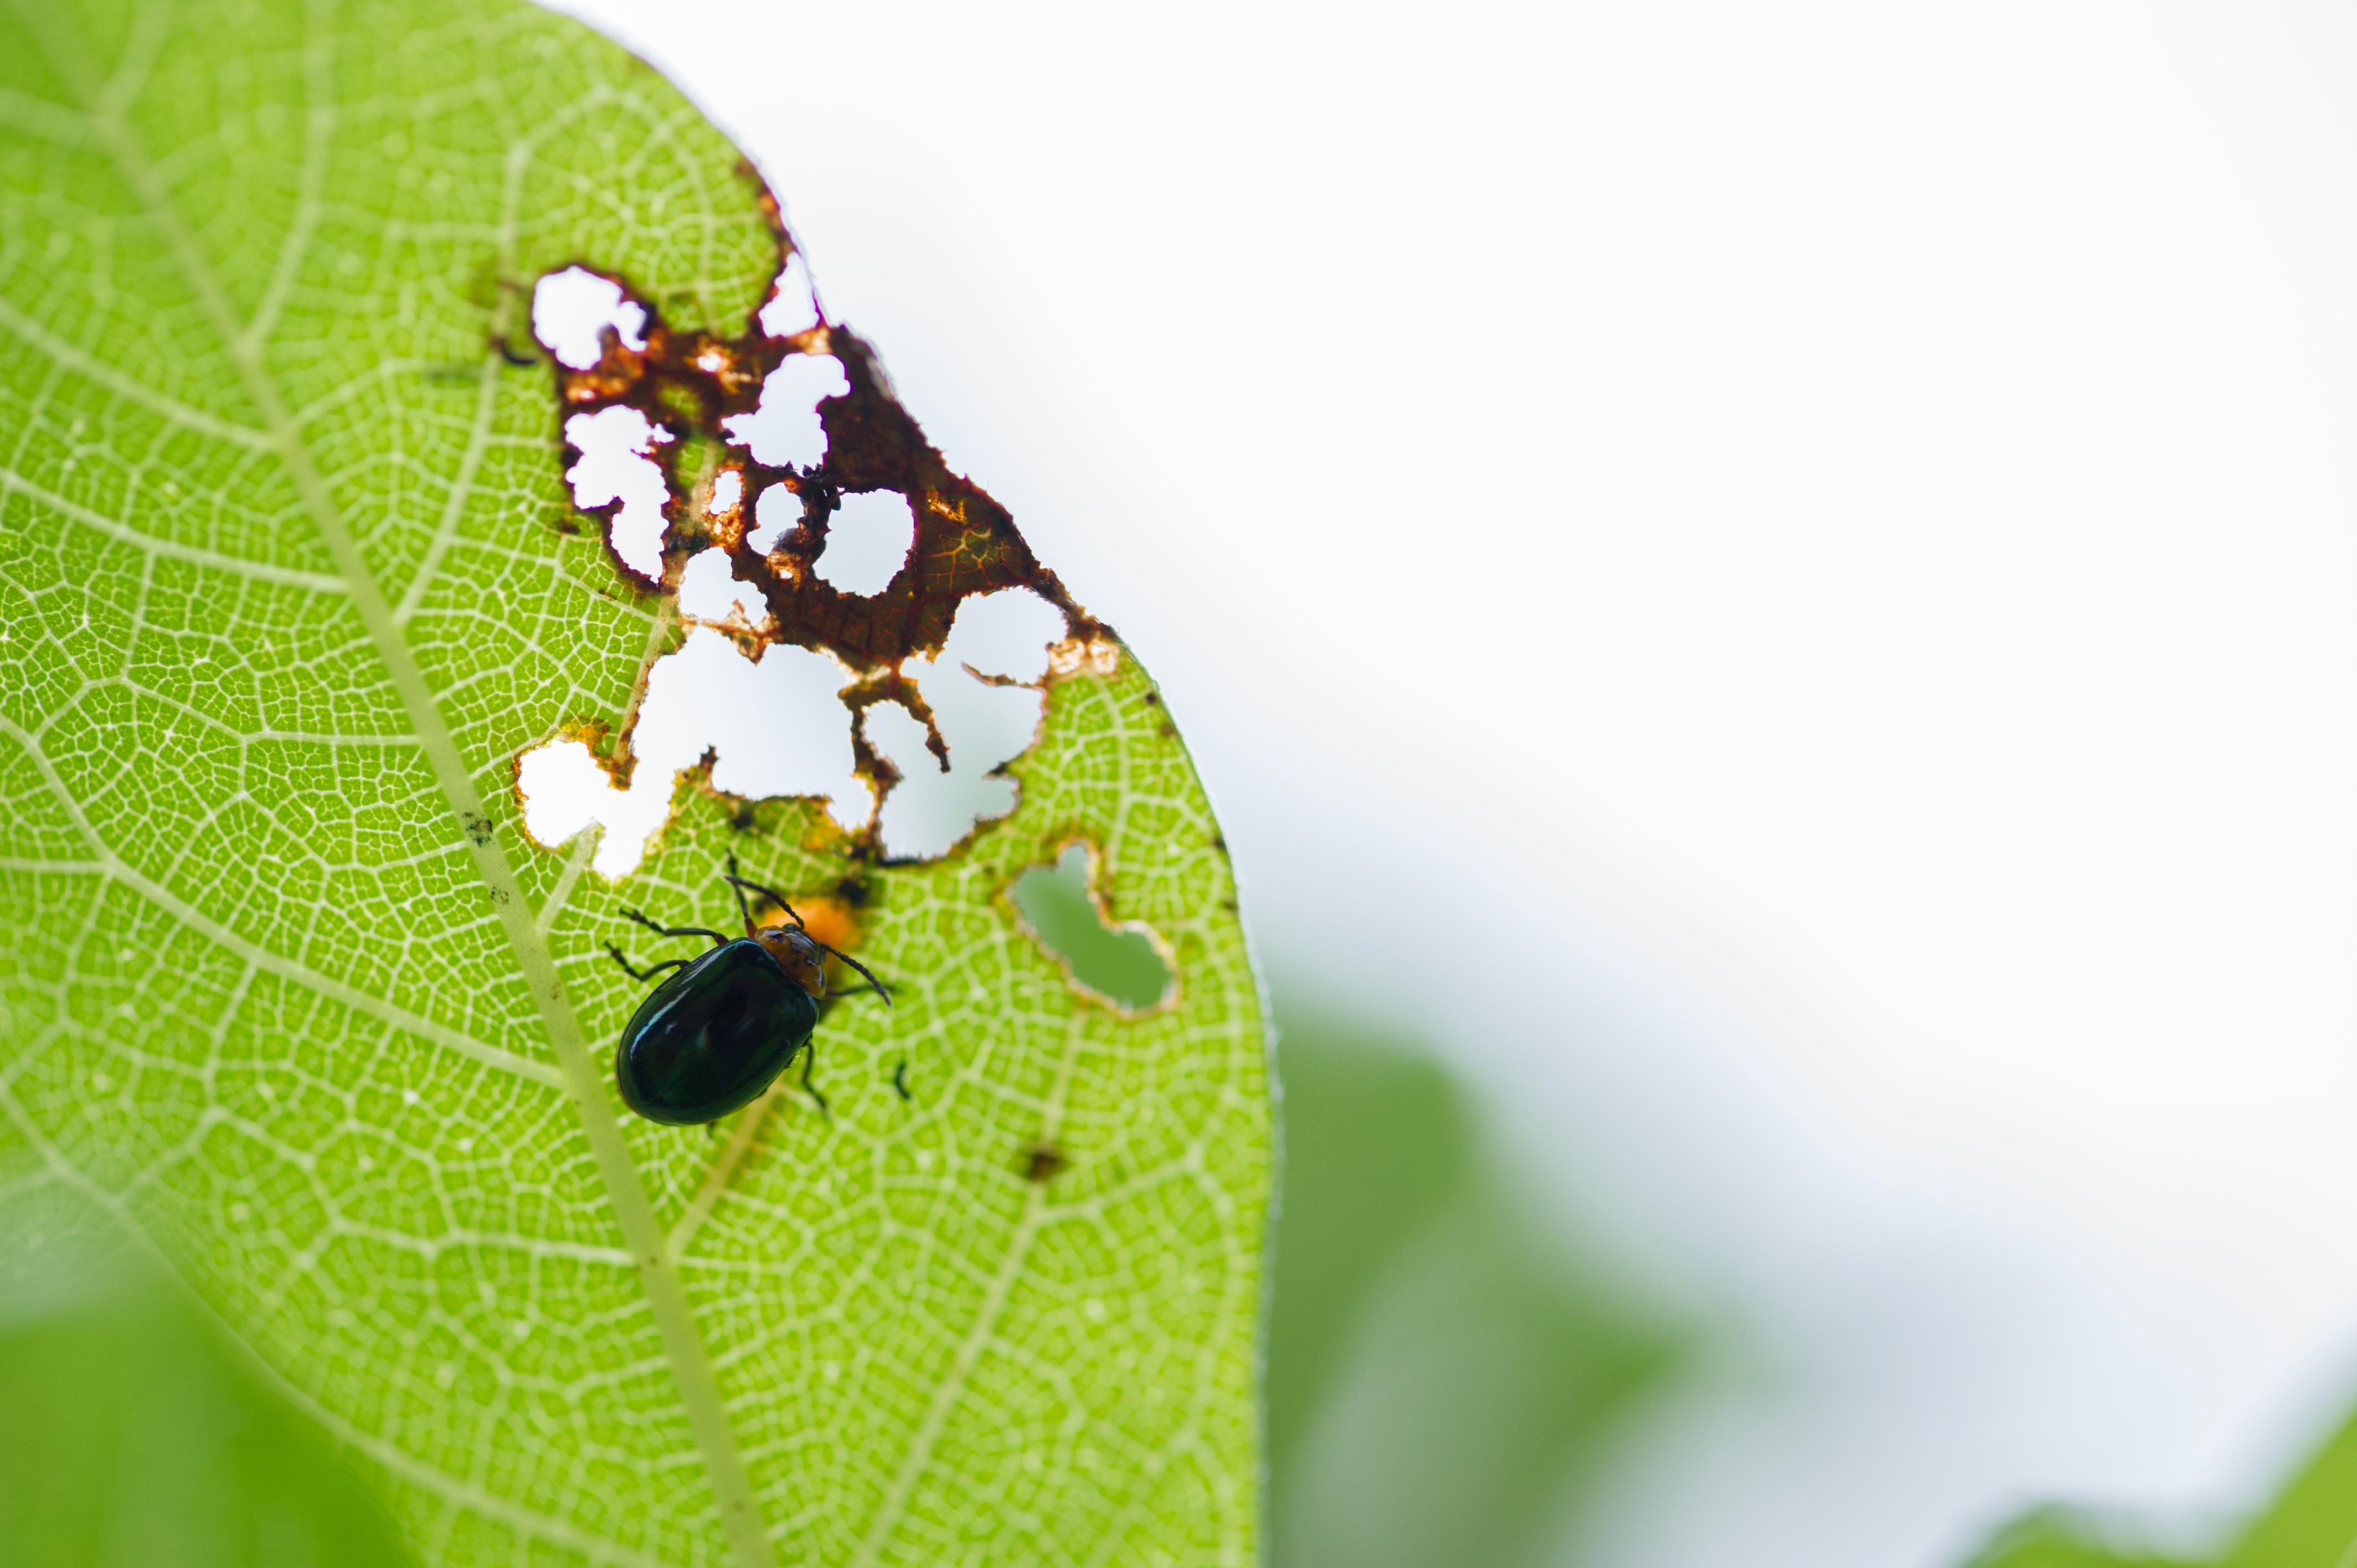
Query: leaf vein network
(14,483)
(106,863)
(399,1461)
(737,1505)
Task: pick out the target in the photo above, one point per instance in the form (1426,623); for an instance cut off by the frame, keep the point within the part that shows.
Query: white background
(1781,579)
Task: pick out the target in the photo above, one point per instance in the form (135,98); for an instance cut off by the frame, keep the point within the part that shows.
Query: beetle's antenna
(769,893)
(738,888)
(860,967)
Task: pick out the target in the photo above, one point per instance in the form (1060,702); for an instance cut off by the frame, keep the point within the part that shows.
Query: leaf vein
(113,867)
(76,361)
(15,483)
(400,1461)
(707,1418)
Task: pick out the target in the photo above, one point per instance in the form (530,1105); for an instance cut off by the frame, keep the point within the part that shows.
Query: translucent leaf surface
(289,580)
(135,1439)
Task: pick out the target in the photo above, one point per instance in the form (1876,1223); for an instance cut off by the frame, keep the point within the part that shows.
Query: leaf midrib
(683,1344)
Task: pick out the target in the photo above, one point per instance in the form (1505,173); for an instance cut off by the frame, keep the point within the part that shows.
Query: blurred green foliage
(1444,1372)
(2314,1519)
(2068,1537)
(131,1436)
(2312,1523)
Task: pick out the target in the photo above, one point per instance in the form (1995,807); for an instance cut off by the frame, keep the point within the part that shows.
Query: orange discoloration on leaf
(690,382)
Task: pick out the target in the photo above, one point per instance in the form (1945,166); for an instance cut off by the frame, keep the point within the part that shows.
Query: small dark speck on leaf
(1043,1163)
(1154,699)
(478,828)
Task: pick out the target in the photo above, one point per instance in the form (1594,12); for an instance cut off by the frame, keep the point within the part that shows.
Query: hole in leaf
(794,305)
(777,726)
(867,541)
(727,492)
(775,512)
(709,591)
(930,808)
(565,790)
(985,719)
(1004,635)
(571,309)
(618,465)
(572,312)
(891,661)
(784,427)
(1124,964)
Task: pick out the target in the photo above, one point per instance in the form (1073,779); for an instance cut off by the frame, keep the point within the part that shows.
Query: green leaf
(289,580)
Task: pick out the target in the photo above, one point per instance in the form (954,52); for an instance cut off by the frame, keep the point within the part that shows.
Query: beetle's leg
(663,930)
(901,1079)
(773,895)
(874,983)
(635,973)
(810,1061)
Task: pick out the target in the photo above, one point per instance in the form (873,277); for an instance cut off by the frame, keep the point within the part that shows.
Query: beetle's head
(801,957)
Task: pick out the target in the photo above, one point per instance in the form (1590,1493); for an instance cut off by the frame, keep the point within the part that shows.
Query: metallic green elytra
(715,1035)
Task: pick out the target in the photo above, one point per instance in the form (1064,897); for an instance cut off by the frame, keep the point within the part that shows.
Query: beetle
(711,1038)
